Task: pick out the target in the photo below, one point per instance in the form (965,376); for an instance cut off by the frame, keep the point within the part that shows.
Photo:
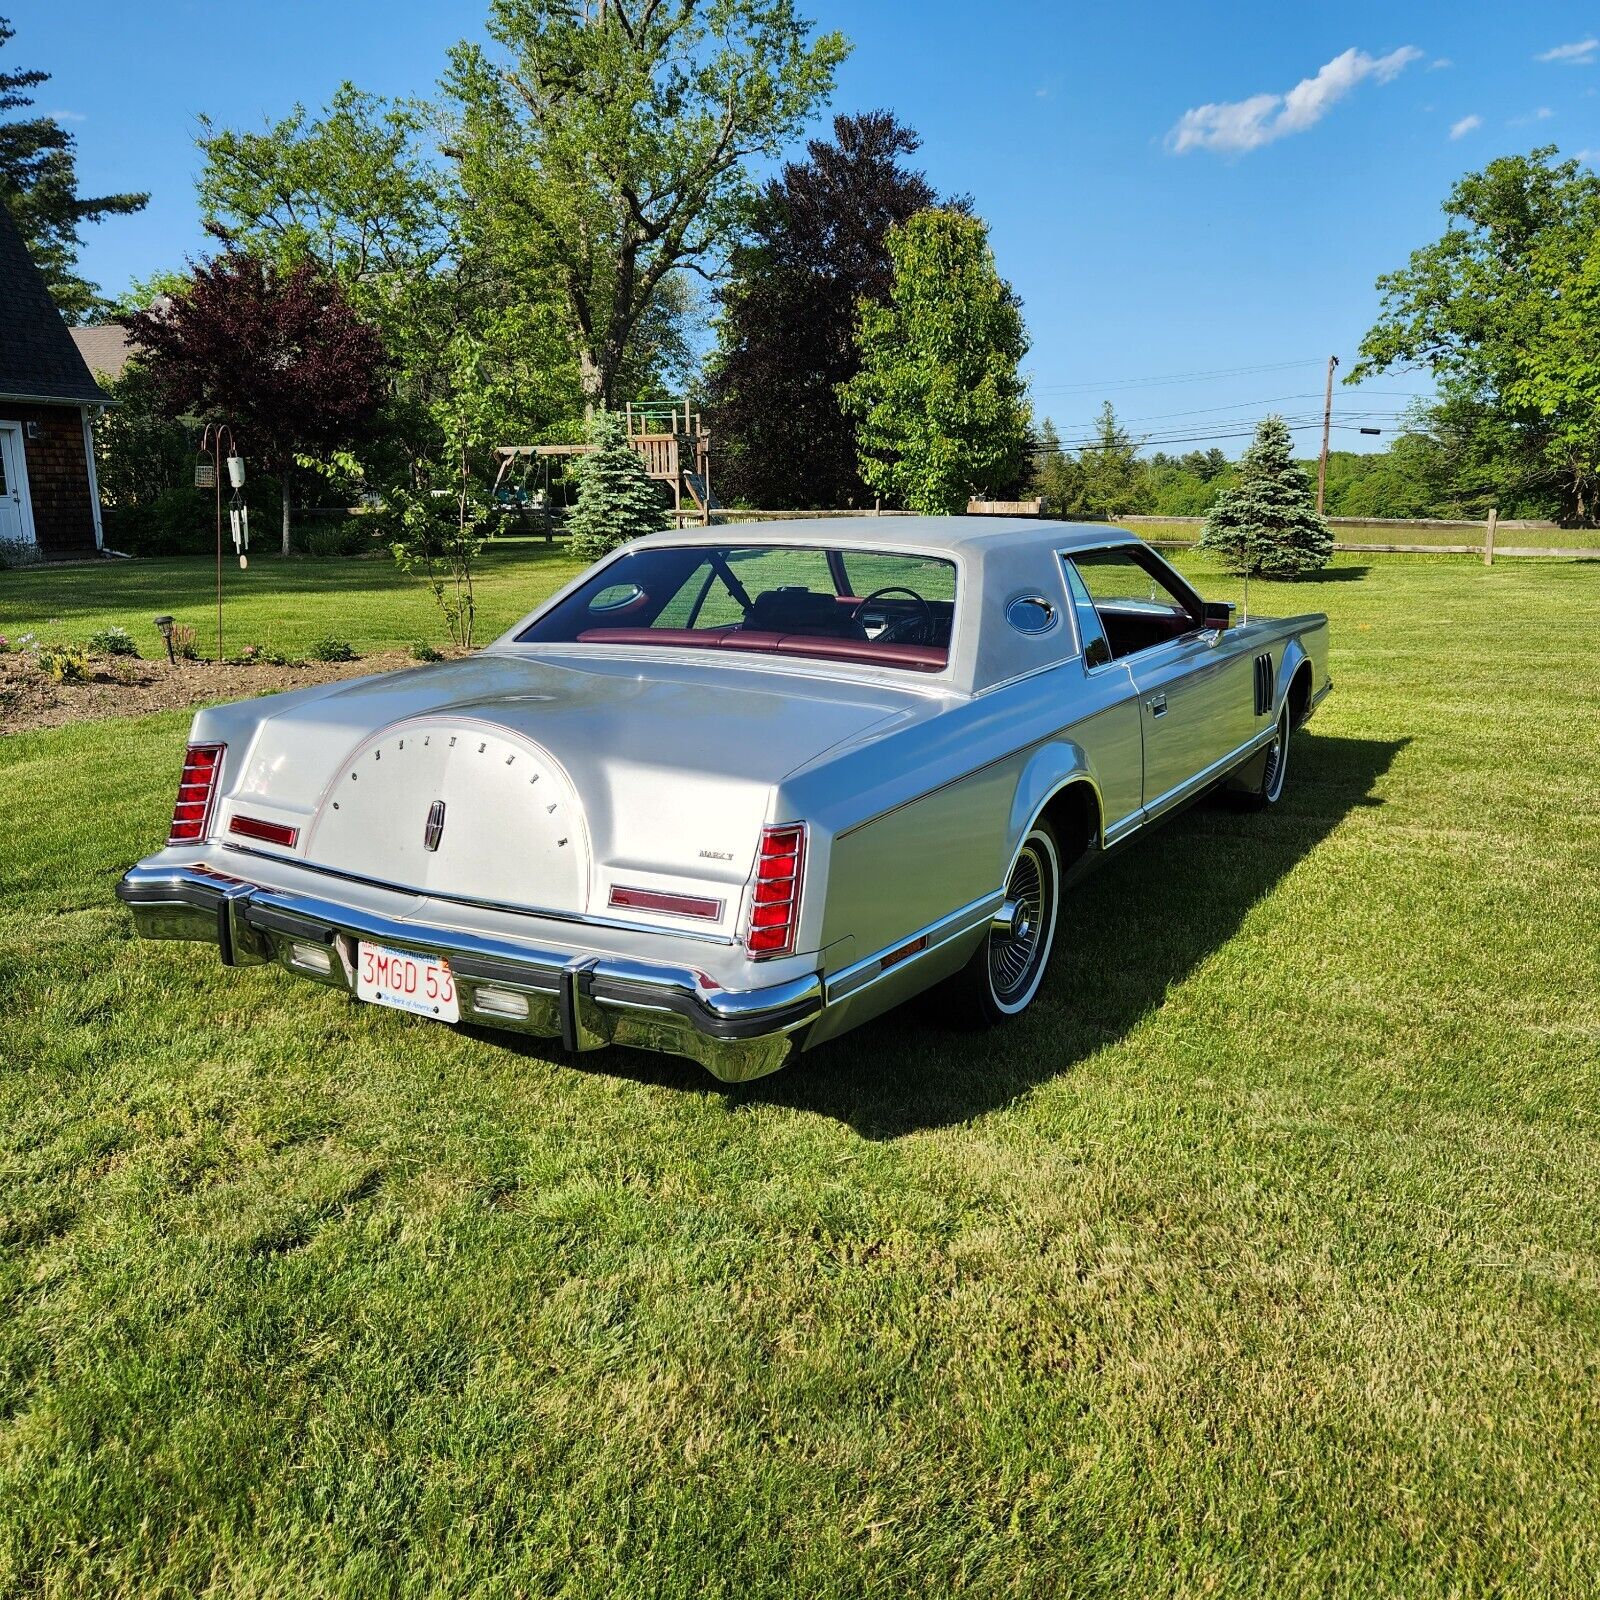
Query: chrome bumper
(587,1002)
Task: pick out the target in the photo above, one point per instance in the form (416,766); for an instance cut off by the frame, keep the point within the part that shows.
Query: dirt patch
(121,687)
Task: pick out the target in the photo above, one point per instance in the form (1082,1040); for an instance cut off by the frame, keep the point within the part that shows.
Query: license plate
(423,985)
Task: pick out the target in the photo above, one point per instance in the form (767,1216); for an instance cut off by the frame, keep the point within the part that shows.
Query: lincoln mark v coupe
(735,790)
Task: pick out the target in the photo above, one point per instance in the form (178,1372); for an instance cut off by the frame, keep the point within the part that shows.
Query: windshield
(871,606)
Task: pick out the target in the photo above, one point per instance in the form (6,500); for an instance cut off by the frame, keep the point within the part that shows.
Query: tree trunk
(594,380)
(283,483)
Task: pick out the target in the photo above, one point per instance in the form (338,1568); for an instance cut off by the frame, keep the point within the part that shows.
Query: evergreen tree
(1114,482)
(617,499)
(942,410)
(39,186)
(1267,524)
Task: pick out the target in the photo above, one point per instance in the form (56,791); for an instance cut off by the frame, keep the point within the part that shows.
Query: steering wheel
(905,630)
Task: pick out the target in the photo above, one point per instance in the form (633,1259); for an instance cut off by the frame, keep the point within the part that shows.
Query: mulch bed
(125,687)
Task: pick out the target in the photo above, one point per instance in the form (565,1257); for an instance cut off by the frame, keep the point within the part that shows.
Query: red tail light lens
(775,906)
(270,832)
(197,793)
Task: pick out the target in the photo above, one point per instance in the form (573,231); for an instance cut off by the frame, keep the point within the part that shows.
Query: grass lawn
(1413,533)
(285,605)
(1261,1258)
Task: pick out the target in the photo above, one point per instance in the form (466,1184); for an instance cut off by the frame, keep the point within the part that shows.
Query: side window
(1139,605)
(1091,636)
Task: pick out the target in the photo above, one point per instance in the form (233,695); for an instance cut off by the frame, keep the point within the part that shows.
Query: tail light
(775,906)
(197,793)
(268,832)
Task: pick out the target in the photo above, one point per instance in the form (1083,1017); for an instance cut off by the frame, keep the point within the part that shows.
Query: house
(105,348)
(49,498)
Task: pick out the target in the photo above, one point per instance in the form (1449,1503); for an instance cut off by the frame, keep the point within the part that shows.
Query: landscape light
(164,627)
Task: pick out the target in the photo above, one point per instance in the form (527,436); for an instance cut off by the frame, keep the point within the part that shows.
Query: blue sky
(1193,201)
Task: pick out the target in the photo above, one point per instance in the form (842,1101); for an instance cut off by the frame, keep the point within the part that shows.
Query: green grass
(1261,1258)
(1412,533)
(286,605)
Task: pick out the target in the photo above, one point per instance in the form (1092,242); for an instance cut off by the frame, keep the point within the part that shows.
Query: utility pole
(1327,423)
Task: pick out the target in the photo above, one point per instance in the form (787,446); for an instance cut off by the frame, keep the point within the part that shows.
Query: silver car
(736,790)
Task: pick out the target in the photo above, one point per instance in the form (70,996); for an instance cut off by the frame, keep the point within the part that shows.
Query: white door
(16,511)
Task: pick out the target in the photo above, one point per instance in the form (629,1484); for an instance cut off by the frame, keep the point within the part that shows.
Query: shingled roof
(38,360)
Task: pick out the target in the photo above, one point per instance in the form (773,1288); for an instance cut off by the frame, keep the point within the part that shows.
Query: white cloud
(1543,114)
(1234,126)
(1580,54)
(1459,130)
(1440,63)
(67,116)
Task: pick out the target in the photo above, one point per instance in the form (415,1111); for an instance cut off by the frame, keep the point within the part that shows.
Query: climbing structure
(671,440)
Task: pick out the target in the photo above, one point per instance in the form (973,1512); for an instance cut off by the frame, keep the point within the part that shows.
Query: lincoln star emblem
(435,827)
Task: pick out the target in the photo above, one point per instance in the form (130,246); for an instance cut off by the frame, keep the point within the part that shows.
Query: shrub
(425,652)
(112,642)
(617,499)
(17,553)
(264,655)
(332,649)
(183,641)
(346,537)
(64,663)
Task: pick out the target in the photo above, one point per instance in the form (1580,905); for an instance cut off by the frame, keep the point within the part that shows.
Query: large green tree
(39,186)
(786,337)
(609,139)
(362,190)
(1504,310)
(941,408)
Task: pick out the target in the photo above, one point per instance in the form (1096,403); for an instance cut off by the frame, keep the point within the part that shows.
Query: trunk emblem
(435,828)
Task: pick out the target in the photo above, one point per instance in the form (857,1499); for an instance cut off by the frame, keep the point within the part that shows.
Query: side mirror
(1219,615)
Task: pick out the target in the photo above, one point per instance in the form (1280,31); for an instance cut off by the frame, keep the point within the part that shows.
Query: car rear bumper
(586,1001)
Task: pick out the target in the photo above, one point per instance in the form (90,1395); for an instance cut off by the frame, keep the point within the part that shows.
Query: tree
(39,185)
(617,498)
(1113,481)
(941,407)
(609,140)
(1055,476)
(818,248)
(1267,524)
(360,189)
(281,356)
(1505,312)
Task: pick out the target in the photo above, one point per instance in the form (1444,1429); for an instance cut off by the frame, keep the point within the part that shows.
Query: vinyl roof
(933,535)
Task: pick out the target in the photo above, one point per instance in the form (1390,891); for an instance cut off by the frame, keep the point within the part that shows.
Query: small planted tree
(617,499)
(1267,525)
(942,409)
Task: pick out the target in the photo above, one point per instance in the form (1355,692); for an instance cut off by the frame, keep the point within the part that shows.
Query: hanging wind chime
(238,511)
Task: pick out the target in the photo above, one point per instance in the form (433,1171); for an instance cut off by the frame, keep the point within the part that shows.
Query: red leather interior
(917,657)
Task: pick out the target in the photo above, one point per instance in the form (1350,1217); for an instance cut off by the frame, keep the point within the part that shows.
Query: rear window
(875,607)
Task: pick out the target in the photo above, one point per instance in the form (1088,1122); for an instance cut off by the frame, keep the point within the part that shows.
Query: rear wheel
(1006,970)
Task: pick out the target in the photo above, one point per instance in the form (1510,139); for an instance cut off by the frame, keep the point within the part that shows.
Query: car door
(1196,692)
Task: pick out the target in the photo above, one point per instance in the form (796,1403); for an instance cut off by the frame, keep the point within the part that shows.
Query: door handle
(1158,705)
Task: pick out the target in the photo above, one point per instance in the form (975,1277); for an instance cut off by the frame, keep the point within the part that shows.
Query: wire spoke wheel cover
(1277,767)
(1017,957)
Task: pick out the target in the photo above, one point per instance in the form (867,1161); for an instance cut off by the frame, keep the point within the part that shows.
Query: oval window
(1031,613)
(616,597)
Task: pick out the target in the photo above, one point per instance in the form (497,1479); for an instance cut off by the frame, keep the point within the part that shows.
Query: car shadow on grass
(1130,933)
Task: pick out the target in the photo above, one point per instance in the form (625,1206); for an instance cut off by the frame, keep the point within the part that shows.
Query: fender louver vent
(1264,685)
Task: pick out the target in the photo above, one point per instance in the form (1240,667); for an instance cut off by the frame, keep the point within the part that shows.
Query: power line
(1177,377)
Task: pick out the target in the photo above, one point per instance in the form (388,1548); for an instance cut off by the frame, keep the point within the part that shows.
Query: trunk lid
(540,782)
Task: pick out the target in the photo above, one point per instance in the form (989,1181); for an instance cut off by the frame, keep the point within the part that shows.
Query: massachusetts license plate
(408,982)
